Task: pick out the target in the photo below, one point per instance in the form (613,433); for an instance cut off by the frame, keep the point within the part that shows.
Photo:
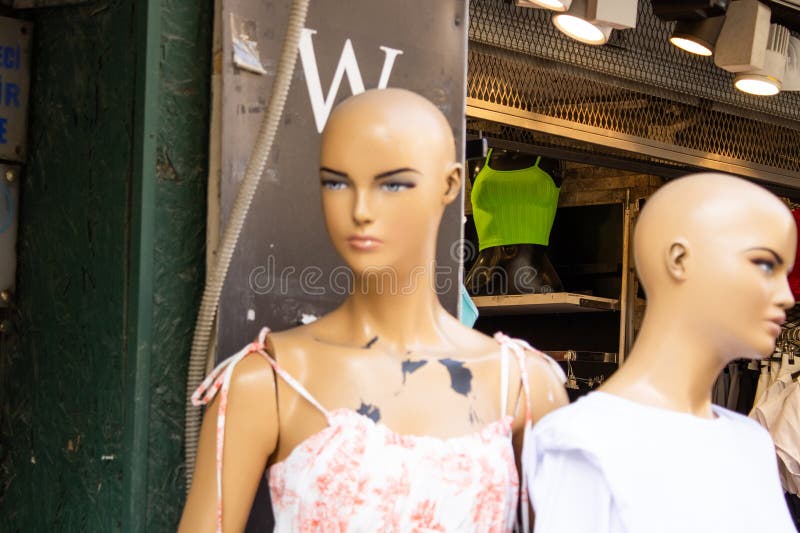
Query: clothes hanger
(476,148)
(585,356)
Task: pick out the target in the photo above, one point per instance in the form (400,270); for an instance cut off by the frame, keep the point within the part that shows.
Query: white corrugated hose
(214,281)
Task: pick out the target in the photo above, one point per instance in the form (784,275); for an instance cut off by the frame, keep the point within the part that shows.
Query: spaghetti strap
(518,347)
(503,376)
(486,161)
(219,381)
(293,383)
(539,158)
(509,346)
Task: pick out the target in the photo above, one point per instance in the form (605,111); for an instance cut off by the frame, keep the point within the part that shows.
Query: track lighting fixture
(554,5)
(742,43)
(767,80)
(697,36)
(591,21)
(689,9)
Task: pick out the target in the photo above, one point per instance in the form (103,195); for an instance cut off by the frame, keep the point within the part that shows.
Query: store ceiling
(786,13)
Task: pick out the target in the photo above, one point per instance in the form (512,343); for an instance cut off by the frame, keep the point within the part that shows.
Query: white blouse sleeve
(570,495)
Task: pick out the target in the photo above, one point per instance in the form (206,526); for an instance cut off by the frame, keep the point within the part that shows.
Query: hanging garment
(774,372)
(789,364)
(763,383)
(719,395)
(794,509)
(513,206)
(779,413)
(356,475)
(733,389)
(606,464)
(748,382)
(774,390)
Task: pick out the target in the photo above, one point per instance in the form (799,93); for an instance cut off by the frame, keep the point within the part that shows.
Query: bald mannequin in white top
(649,452)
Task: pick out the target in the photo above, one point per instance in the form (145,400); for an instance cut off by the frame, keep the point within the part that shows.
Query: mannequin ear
(452,183)
(677,259)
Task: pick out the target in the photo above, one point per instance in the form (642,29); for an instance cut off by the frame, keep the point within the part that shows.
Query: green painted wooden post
(139,323)
(111,266)
(180,233)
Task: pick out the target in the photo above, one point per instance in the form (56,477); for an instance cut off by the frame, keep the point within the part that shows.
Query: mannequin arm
(547,387)
(547,393)
(251,434)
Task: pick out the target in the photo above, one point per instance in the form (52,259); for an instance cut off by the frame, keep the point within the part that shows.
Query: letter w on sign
(322,105)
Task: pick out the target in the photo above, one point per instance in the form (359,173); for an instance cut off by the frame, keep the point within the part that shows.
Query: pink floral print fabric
(355,475)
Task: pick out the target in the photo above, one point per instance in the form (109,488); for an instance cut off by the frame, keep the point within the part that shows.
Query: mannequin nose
(785,298)
(362,213)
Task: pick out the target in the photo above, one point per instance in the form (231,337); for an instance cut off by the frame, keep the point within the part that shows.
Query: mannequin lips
(364,243)
(775,324)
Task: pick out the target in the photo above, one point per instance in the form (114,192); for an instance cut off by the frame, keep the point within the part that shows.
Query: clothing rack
(584,356)
(791,333)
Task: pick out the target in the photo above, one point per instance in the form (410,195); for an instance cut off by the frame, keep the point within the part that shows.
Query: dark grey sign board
(284,268)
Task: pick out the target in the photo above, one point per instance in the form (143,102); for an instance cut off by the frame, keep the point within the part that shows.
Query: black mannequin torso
(513,269)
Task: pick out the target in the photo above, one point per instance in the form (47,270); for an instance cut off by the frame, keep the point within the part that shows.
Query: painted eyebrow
(778,259)
(380,176)
(335,172)
(396,171)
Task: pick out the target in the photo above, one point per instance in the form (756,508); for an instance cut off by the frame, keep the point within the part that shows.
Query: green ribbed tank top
(513,206)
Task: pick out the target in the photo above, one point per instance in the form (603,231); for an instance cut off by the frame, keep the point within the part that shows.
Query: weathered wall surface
(184,107)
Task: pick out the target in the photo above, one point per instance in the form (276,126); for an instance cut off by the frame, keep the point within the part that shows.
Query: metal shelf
(554,302)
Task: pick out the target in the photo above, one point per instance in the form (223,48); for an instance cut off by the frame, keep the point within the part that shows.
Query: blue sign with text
(15,38)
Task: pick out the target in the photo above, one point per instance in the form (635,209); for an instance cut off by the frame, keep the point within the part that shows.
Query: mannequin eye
(767,265)
(333,185)
(396,186)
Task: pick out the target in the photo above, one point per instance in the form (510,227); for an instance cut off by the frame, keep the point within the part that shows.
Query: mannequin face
(738,268)
(386,175)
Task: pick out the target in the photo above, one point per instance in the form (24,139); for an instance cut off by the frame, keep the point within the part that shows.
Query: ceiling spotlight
(581,29)
(697,36)
(766,81)
(591,21)
(554,5)
(742,43)
(688,9)
(757,85)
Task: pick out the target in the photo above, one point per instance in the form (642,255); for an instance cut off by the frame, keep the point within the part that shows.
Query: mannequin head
(387,170)
(713,253)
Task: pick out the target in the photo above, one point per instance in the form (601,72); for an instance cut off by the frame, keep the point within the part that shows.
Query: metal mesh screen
(642,54)
(563,92)
(636,87)
(523,139)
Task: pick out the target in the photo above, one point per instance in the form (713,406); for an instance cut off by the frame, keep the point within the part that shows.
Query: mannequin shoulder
(252,392)
(546,382)
(253,380)
(470,343)
(293,343)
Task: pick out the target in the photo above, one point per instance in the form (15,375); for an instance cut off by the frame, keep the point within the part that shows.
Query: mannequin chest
(440,396)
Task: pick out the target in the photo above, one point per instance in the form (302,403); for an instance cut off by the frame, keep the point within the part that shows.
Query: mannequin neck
(404,313)
(671,365)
